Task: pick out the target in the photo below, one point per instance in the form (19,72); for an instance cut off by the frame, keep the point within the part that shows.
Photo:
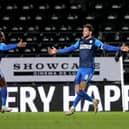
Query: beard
(87,36)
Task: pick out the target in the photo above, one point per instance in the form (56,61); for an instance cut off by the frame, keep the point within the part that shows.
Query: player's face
(86,33)
(2,38)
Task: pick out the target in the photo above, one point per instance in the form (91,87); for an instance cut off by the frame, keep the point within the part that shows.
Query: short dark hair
(89,26)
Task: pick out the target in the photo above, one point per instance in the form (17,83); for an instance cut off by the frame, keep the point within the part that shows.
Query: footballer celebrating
(3,83)
(86,46)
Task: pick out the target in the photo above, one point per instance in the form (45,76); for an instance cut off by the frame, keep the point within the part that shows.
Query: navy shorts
(84,74)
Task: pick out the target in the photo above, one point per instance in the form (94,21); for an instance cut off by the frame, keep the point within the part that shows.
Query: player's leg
(82,79)
(75,102)
(83,86)
(78,97)
(3,86)
(86,77)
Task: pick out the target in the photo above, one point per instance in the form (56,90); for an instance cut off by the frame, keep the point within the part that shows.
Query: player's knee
(82,88)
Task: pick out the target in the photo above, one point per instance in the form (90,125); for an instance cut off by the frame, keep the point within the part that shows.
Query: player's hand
(52,51)
(21,43)
(124,48)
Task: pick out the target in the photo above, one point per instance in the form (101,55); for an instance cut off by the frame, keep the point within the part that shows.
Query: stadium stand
(45,24)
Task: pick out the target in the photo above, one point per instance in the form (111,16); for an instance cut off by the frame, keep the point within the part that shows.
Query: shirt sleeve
(107,47)
(4,47)
(69,49)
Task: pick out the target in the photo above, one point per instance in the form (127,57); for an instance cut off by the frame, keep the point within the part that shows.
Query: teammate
(86,45)
(3,83)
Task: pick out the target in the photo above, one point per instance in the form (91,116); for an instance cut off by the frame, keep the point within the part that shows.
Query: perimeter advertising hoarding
(56,69)
(59,97)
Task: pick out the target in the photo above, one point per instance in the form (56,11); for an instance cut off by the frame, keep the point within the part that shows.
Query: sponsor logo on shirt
(85,46)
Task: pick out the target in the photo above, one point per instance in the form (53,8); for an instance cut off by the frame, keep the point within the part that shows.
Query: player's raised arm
(4,47)
(107,47)
(53,51)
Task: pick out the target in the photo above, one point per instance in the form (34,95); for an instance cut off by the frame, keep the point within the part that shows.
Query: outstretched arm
(65,50)
(107,47)
(4,47)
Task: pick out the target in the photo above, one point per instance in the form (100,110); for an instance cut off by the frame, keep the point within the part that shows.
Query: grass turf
(57,120)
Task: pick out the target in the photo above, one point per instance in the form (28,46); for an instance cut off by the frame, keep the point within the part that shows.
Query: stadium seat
(60,22)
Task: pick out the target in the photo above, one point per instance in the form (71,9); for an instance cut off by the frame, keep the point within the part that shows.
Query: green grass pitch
(57,120)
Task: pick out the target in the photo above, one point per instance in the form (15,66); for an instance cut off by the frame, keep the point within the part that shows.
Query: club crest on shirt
(90,41)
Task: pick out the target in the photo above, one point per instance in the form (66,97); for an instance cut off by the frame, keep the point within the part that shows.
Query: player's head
(87,30)
(2,36)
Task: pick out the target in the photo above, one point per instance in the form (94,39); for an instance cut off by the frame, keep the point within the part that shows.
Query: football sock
(4,95)
(87,97)
(81,94)
(78,98)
